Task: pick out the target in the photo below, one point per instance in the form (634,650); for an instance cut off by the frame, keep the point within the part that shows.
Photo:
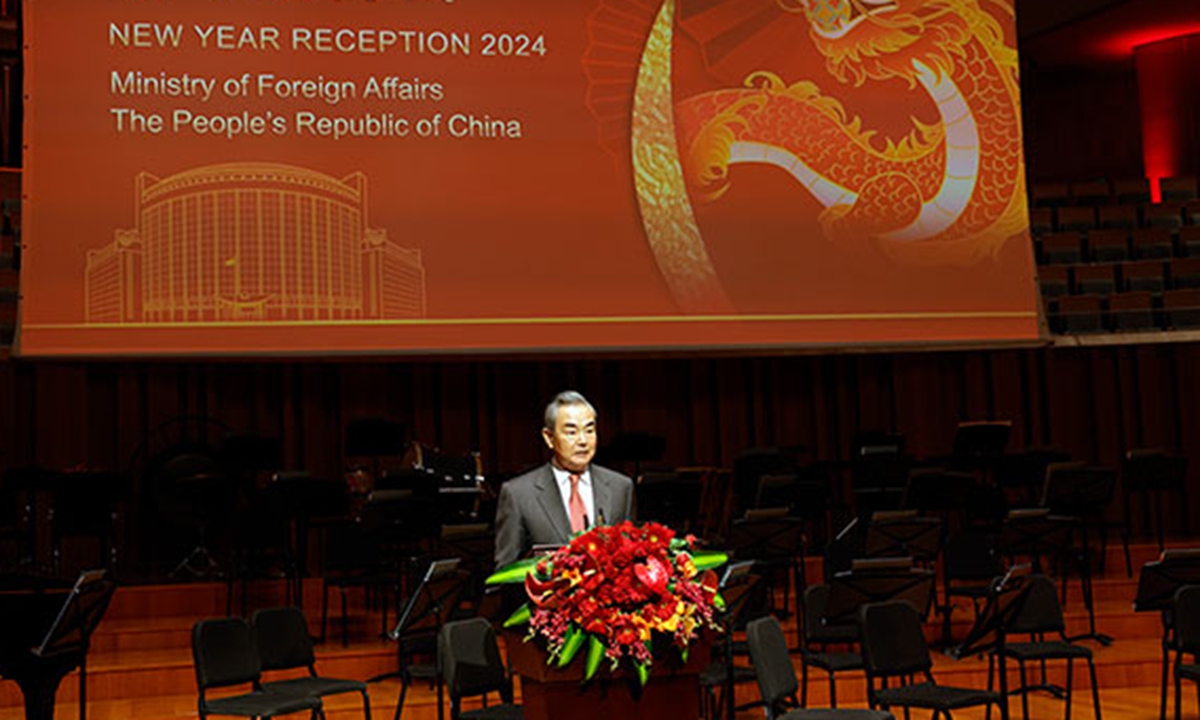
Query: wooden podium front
(551,693)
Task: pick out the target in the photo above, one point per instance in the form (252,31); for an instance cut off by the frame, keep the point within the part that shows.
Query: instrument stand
(873,581)
(1084,558)
(199,563)
(734,588)
(427,610)
(65,646)
(1157,585)
(1004,603)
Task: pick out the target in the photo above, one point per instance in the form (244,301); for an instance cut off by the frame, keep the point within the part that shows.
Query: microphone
(587,524)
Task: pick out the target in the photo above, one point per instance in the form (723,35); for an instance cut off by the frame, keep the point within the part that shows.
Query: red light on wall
(1165,98)
(1125,44)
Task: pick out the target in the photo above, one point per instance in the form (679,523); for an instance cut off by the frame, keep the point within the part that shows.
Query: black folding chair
(471,664)
(1041,615)
(893,643)
(777,678)
(284,644)
(225,655)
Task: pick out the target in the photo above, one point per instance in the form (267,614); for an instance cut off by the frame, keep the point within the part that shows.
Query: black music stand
(427,610)
(64,645)
(939,491)
(1081,493)
(874,581)
(1157,585)
(1004,603)
(1034,533)
(1005,599)
(776,540)
(904,533)
(734,587)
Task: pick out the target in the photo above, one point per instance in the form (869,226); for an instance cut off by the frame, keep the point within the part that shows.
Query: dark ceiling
(1092,33)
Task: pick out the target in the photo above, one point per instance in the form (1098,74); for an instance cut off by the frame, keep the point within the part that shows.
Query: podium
(552,693)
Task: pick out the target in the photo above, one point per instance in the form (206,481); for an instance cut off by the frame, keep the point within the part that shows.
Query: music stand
(1004,603)
(67,638)
(1081,492)
(427,610)
(776,540)
(735,585)
(877,580)
(939,491)
(1034,533)
(904,533)
(1157,585)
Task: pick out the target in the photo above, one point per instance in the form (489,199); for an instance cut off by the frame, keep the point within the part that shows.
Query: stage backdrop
(327,176)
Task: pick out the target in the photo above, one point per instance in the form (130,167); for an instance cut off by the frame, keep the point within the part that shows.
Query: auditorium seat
(1189,241)
(1181,308)
(1132,190)
(1051,195)
(1185,273)
(1041,221)
(1055,280)
(1095,279)
(1152,243)
(1163,215)
(1079,314)
(1062,248)
(1191,213)
(1131,311)
(1108,245)
(1124,217)
(1090,193)
(1143,276)
(1079,219)
(1180,189)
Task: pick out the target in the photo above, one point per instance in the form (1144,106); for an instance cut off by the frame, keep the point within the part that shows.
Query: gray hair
(564,398)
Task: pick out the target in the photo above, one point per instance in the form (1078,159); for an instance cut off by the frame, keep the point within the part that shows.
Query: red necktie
(578,509)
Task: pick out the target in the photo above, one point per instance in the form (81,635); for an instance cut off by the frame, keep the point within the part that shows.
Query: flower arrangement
(612,589)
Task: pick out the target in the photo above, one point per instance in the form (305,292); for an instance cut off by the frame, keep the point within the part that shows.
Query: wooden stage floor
(140,665)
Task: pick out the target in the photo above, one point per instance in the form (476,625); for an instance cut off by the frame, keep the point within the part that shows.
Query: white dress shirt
(563,478)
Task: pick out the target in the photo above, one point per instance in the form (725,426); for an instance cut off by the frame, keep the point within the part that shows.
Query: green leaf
(719,602)
(684,654)
(594,656)
(571,644)
(709,560)
(514,573)
(643,672)
(520,617)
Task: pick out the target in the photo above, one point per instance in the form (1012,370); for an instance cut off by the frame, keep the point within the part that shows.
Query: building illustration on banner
(252,242)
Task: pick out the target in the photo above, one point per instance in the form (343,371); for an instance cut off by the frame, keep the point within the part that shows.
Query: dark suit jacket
(530,511)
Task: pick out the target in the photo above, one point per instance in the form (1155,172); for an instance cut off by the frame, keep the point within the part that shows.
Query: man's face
(573,439)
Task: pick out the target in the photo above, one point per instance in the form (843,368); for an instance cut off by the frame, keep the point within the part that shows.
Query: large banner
(339,176)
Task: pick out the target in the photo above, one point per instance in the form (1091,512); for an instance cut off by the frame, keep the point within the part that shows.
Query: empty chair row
(1125,312)
(1113,245)
(1102,192)
(1154,276)
(1171,216)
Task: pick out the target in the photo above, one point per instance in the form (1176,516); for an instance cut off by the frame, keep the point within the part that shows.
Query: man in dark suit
(566,495)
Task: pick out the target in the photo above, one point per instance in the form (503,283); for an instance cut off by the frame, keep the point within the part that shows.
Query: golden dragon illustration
(949,192)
